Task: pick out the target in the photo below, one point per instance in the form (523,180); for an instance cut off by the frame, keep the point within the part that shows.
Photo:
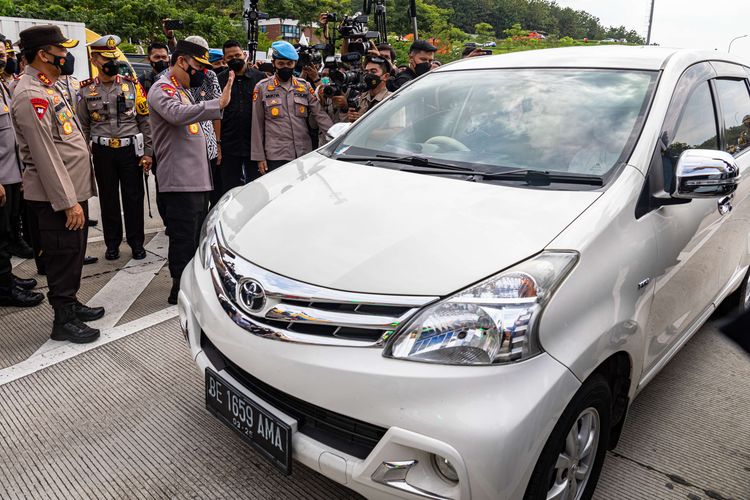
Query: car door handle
(725,204)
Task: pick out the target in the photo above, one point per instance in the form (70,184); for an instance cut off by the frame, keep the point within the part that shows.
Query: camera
(174,24)
(310,56)
(354,29)
(331,17)
(347,77)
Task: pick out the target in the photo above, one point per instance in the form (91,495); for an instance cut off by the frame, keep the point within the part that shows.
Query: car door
(733,99)
(689,261)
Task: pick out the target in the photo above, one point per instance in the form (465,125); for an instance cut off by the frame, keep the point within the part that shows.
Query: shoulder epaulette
(88,82)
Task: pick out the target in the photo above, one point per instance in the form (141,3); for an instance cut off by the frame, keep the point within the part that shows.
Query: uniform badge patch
(40,106)
(67,128)
(125,87)
(50,91)
(193,128)
(96,116)
(5,108)
(275,111)
(56,100)
(168,89)
(302,109)
(255,95)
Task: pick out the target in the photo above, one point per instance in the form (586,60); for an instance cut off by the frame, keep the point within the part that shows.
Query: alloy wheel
(574,464)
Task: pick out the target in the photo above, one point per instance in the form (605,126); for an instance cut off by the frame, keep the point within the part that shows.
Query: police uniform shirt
(280,119)
(10,170)
(52,146)
(178,139)
(368,101)
(101,116)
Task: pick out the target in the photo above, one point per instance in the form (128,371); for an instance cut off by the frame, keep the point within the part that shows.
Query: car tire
(743,298)
(564,470)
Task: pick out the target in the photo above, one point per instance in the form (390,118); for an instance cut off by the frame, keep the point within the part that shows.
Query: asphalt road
(125,417)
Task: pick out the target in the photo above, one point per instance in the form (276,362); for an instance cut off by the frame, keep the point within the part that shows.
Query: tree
(485,32)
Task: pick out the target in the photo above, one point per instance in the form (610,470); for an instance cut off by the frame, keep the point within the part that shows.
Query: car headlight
(208,230)
(492,322)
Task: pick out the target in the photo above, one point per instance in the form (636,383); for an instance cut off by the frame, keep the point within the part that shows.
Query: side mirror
(337,129)
(705,173)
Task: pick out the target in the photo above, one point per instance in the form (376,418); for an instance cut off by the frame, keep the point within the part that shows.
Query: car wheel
(572,458)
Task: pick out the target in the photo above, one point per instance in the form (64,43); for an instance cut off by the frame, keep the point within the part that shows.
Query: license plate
(261,429)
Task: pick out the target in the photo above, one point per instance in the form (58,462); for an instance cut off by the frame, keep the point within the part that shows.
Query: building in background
(288,30)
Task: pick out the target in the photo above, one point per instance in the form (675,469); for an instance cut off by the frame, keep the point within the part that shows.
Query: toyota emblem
(252,295)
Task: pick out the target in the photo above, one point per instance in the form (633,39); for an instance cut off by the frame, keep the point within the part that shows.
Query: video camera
(310,56)
(354,29)
(345,80)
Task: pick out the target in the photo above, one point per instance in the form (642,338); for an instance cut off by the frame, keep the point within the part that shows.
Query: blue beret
(284,50)
(214,55)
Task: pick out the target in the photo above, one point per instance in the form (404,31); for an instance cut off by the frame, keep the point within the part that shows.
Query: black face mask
(2,65)
(159,66)
(372,81)
(11,67)
(284,74)
(110,68)
(422,68)
(196,76)
(65,64)
(236,65)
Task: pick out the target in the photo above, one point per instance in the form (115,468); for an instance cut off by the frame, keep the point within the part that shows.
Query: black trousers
(5,233)
(12,212)
(32,228)
(116,168)
(237,171)
(274,164)
(63,251)
(185,213)
(216,177)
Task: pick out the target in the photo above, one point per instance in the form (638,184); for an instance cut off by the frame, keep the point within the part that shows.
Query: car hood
(367,229)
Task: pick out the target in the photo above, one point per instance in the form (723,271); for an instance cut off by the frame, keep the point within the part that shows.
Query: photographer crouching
(377,72)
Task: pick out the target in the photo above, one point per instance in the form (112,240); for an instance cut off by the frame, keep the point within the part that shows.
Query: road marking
(119,294)
(67,350)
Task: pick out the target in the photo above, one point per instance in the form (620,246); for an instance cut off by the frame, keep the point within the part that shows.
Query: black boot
(15,297)
(175,290)
(68,327)
(86,313)
(24,284)
(20,248)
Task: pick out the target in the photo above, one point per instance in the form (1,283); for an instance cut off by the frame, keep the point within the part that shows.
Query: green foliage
(449,21)
(485,32)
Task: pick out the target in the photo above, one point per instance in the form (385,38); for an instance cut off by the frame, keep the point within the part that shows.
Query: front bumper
(490,422)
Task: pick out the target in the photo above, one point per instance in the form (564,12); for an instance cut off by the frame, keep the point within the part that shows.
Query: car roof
(615,57)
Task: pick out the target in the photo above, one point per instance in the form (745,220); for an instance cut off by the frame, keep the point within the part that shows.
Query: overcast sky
(677,23)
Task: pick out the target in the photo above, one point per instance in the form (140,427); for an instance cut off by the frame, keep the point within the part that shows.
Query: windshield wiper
(419,161)
(532,177)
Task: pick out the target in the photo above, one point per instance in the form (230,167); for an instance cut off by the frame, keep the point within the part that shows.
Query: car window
(571,120)
(697,126)
(735,106)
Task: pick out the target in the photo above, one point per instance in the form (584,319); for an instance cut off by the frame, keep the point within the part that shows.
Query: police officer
(421,55)
(377,71)
(114,115)
(179,143)
(13,290)
(58,180)
(282,106)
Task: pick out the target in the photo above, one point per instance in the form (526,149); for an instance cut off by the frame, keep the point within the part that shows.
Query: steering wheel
(447,143)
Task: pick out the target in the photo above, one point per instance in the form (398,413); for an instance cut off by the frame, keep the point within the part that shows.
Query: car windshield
(577,121)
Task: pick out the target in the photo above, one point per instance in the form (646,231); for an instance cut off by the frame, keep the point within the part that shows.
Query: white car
(460,296)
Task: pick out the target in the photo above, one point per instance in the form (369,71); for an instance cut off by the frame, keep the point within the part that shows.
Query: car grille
(340,432)
(295,311)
